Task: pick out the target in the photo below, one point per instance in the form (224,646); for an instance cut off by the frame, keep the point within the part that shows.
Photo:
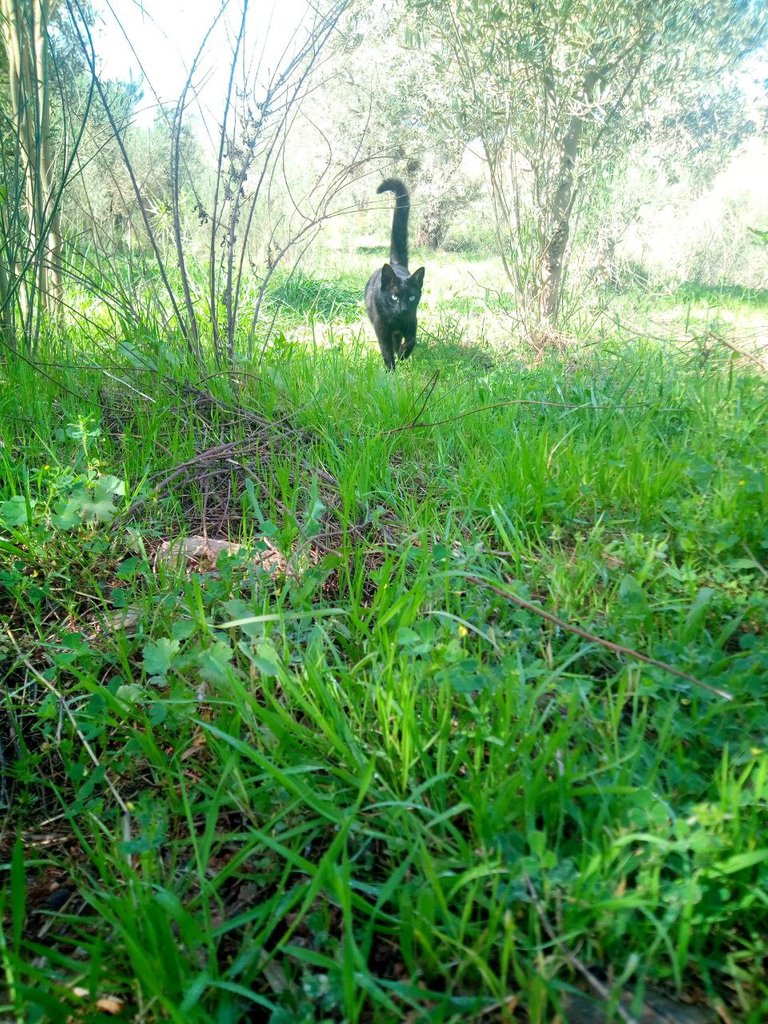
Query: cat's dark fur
(392,293)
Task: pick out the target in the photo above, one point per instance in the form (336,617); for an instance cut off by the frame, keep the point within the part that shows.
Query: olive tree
(387,114)
(552,89)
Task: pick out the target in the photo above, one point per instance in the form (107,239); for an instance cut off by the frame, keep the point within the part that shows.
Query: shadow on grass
(380,251)
(721,294)
(304,296)
(451,354)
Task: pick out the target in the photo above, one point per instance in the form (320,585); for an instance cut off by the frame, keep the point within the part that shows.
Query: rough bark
(554,255)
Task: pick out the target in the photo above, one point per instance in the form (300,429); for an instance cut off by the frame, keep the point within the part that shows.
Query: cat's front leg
(409,344)
(387,353)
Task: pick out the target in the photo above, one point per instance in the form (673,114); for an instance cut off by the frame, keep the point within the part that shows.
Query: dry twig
(593,638)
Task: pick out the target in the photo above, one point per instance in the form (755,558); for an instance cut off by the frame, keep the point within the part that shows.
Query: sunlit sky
(155,41)
(162,37)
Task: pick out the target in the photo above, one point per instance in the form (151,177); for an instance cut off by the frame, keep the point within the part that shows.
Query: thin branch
(627,652)
(426,391)
(86,43)
(519,401)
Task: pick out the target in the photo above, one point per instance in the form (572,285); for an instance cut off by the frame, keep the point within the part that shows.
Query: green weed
(363,787)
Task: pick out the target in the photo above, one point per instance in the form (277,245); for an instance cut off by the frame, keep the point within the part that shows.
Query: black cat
(392,294)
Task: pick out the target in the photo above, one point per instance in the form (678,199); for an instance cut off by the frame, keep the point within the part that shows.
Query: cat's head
(401,294)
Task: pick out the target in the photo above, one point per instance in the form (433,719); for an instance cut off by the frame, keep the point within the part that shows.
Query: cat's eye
(394,296)
(411,298)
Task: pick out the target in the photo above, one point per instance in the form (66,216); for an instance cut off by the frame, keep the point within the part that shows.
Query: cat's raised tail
(398,249)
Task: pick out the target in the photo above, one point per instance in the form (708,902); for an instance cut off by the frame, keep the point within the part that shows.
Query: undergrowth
(363,785)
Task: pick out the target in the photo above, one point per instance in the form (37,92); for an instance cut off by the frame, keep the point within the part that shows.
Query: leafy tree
(553,89)
(669,158)
(385,111)
(102,204)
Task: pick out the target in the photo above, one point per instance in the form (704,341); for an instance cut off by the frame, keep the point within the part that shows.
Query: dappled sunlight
(380,644)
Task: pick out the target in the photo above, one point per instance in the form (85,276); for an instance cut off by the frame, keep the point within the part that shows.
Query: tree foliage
(386,112)
(552,87)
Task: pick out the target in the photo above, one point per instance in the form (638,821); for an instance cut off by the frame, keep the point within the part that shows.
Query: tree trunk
(553,257)
(25,38)
(561,208)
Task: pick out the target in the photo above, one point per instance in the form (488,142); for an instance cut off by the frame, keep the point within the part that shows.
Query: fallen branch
(426,391)
(758,359)
(627,652)
(414,425)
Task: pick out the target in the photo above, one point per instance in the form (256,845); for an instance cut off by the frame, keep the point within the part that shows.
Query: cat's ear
(388,279)
(418,277)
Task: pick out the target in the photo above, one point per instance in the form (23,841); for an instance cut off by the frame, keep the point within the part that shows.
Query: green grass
(694,316)
(388,792)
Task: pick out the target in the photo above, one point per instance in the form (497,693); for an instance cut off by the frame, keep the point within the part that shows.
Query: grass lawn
(349,772)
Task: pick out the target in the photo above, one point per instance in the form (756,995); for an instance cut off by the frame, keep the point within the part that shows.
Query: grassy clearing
(371,789)
(702,319)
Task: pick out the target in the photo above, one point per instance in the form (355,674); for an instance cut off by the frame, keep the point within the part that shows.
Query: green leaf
(406,637)
(69,515)
(267,659)
(182,629)
(537,842)
(262,656)
(108,485)
(315,518)
(440,552)
(129,693)
(464,677)
(14,511)
(241,612)
(92,503)
(102,510)
(214,663)
(632,594)
(694,620)
(741,861)
(158,655)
